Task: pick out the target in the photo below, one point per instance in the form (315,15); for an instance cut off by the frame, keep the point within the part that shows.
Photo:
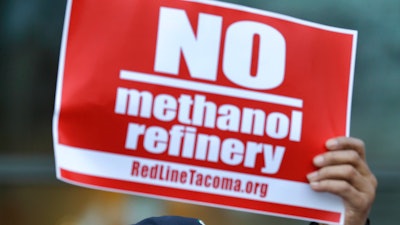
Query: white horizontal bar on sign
(116,166)
(210,88)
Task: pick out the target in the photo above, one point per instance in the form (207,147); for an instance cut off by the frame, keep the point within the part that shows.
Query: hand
(343,171)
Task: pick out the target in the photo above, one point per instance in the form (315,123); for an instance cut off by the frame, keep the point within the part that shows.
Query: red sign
(206,102)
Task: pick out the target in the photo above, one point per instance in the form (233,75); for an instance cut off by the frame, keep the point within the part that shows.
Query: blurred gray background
(30,37)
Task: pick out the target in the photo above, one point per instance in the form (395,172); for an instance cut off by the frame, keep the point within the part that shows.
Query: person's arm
(343,171)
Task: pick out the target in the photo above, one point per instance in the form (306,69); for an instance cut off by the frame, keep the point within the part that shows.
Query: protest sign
(201,101)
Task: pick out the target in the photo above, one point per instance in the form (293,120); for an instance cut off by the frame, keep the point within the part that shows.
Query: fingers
(338,187)
(344,150)
(338,172)
(343,157)
(354,199)
(358,196)
(343,171)
(326,178)
(337,157)
(345,160)
(346,143)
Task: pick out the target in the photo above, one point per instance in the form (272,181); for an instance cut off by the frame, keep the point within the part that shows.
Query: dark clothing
(170,220)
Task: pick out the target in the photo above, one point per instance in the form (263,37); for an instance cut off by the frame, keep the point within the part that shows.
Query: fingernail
(319,160)
(332,143)
(312,176)
(314,184)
